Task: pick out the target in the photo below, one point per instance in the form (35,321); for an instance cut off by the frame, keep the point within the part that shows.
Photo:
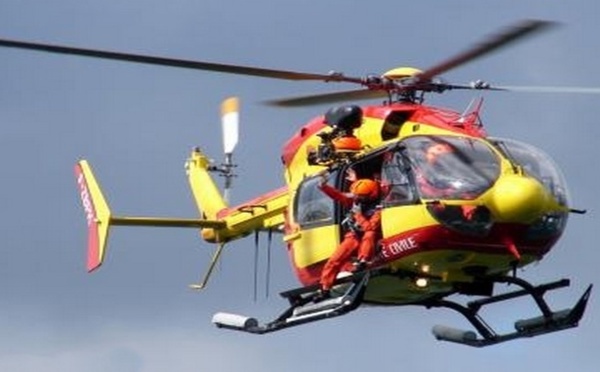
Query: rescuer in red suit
(363,227)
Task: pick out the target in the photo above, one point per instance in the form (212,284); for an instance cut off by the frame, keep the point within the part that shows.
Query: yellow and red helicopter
(459,225)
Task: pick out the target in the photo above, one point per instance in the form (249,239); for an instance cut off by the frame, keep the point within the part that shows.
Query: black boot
(360,266)
(321,294)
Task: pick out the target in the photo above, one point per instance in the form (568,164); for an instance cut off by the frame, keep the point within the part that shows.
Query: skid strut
(548,322)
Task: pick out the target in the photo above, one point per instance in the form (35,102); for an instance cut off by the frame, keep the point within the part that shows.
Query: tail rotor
(230,117)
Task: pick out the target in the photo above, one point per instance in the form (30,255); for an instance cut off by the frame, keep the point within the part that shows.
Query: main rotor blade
(181,63)
(546,89)
(491,44)
(315,99)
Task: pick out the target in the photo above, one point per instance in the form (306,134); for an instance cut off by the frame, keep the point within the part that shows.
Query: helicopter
(502,204)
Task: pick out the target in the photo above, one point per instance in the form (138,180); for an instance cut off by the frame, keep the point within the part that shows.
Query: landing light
(421,282)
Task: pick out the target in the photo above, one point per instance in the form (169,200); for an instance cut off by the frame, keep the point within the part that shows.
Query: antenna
(230,129)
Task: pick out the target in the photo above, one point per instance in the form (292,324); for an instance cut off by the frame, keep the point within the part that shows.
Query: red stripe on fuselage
(439,238)
(252,203)
(293,144)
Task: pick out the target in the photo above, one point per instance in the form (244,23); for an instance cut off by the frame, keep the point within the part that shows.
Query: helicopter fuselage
(459,209)
(486,207)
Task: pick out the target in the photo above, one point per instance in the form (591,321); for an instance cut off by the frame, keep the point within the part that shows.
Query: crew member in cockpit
(431,172)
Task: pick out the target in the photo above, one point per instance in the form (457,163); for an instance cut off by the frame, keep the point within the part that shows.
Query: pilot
(432,173)
(363,225)
(436,179)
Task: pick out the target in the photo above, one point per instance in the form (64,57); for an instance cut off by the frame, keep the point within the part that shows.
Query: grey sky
(137,124)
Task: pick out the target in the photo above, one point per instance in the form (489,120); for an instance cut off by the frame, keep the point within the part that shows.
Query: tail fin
(208,198)
(97,214)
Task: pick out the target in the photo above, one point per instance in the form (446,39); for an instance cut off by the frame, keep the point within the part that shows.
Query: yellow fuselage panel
(314,245)
(299,168)
(311,246)
(400,219)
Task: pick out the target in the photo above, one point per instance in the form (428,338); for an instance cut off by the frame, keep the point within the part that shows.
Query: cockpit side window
(312,207)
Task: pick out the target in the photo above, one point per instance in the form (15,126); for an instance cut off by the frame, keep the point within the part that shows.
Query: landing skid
(549,321)
(304,308)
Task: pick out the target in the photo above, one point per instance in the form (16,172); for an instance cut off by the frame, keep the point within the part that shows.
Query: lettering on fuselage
(84,193)
(398,247)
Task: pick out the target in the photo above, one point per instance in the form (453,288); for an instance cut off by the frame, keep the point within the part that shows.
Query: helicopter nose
(518,199)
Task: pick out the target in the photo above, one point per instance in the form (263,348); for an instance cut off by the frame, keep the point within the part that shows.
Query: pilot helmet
(435,151)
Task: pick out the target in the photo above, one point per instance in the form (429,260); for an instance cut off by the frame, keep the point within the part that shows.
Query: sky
(137,124)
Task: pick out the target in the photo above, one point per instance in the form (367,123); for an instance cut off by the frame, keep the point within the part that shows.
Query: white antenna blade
(230,118)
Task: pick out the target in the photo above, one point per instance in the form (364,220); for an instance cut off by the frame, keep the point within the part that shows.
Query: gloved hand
(356,208)
(350,224)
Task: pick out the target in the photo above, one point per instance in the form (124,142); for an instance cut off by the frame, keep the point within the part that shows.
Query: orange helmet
(347,143)
(365,188)
(436,150)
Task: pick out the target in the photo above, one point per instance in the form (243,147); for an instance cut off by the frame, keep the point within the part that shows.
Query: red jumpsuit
(368,218)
